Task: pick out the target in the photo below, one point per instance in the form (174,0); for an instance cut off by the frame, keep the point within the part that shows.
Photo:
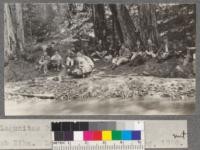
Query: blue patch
(126,135)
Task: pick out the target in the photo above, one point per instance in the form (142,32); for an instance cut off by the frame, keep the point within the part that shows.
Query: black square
(56,126)
(75,126)
(84,126)
(66,126)
(58,136)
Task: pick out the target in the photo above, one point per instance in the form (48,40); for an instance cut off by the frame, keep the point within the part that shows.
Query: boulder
(84,66)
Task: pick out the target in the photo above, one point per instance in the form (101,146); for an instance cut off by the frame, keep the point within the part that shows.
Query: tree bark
(13,31)
(127,26)
(116,24)
(148,24)
(19,27)
(10,42)
(100,29)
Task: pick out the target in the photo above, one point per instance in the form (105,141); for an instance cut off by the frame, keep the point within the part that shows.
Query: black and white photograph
(99,59)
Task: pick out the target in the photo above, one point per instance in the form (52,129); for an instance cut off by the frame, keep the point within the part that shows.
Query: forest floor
(125,90)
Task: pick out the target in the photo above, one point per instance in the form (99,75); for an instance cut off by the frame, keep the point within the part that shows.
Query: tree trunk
(127,26)
(116,24)
(148,24)
(19,27)
(14,31)
(100,29)
(43,11)
(10,42)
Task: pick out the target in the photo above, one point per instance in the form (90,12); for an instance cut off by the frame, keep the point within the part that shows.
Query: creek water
(115,106)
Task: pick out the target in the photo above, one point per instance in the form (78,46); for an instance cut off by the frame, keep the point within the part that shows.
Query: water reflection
(143,106)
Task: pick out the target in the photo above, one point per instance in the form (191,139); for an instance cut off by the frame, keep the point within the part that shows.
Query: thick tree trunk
(13,31)
(10,42)
(100,29)
(116,24)
(127,26)
(148,24)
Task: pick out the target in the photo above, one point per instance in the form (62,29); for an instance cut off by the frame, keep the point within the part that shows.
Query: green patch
(116,135)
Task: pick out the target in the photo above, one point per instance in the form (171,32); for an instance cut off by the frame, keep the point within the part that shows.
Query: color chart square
(106,135)
(136,135)
(88,135)
(78,135)
(116,135)
(97,135)
(126,135)
(58,136)
(68,135)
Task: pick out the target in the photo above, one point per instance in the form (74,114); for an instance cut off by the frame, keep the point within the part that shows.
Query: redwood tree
(10,42)
(100,29)
(148,24)
(13,31)
(124,25)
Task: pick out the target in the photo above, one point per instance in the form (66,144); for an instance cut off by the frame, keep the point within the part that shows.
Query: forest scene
(86,59)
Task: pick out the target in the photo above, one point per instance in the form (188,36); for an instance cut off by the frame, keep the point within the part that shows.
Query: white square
(120,126)
(129,125)
(78,135)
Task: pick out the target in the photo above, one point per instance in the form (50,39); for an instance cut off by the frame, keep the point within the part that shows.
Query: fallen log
(41,96)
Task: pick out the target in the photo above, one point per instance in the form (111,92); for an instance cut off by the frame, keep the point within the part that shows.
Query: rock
(180,88)
(165,95)
(145,73)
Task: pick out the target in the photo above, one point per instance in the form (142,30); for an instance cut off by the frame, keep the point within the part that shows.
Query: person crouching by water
(57,61)
(124,56)
(44,62)
(83,66)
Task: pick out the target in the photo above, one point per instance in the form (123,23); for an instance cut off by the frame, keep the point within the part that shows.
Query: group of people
(46,61)
(76,64)
(140,55)
(79,65)
(182,52)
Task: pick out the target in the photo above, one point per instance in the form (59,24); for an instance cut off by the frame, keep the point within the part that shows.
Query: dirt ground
(125,90)
(124,81)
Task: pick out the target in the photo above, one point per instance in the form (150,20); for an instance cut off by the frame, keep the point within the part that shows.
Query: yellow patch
(106,135)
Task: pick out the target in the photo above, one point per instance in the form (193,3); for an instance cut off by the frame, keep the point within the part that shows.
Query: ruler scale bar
(98,135)
(109,147)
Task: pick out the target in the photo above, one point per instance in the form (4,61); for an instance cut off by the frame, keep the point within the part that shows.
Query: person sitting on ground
(109,54)
(100,52)
(83,66)
(164,50)
(70,61)
(57,61)
(44,62)
(167,50)
(138,56)
(124,57)
(151,51)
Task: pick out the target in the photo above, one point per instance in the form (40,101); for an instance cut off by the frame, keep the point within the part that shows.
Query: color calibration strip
(106,134)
